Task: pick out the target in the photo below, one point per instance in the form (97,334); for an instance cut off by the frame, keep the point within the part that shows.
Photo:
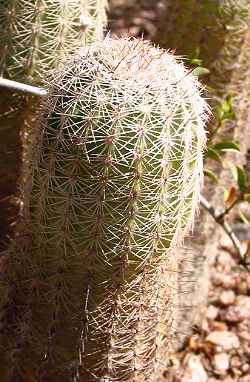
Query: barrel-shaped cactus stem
(117,172)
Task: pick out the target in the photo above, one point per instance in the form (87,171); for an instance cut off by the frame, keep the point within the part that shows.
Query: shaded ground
(219,348)
(135,18)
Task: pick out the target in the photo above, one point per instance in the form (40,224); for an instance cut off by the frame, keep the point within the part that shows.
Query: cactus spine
(116,179)
(35,36)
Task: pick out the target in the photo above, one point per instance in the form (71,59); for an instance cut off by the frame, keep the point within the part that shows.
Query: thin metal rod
(23,87)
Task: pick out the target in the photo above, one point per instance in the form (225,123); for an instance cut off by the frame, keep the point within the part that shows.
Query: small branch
(221,220)
(228,209)
(23,87)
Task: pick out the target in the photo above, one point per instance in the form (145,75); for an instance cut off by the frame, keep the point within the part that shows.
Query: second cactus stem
(35,37)
(215,27)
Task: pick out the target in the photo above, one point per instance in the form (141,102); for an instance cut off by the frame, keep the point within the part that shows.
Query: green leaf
(225,110)
(227,104)
(247,198)
(210,174)
(213,154)
(195,54)
(239,175)
(242,178)
(200,71)
(226,146)
(195,61)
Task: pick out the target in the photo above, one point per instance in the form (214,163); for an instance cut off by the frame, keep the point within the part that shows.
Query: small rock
(232,314)
(235,362)
(225,260)
(194,371)
(227,297)
(243,303)
(226,340)
(239,312)
(245,367)
(221,363)
(226,281)
(212,312)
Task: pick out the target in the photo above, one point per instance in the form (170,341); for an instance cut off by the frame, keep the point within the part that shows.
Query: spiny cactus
(216,27)
(35,35)
(116,180)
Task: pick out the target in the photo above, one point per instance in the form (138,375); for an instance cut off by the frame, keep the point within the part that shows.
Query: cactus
(117,170)
(35,36)
(216,27)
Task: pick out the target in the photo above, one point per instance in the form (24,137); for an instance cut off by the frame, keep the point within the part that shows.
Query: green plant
(117,170)
(35,37)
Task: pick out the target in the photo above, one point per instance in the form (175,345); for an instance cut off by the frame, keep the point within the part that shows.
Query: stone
(227,297)
(224,339)
(194,371)
(212,312)
(221,363)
